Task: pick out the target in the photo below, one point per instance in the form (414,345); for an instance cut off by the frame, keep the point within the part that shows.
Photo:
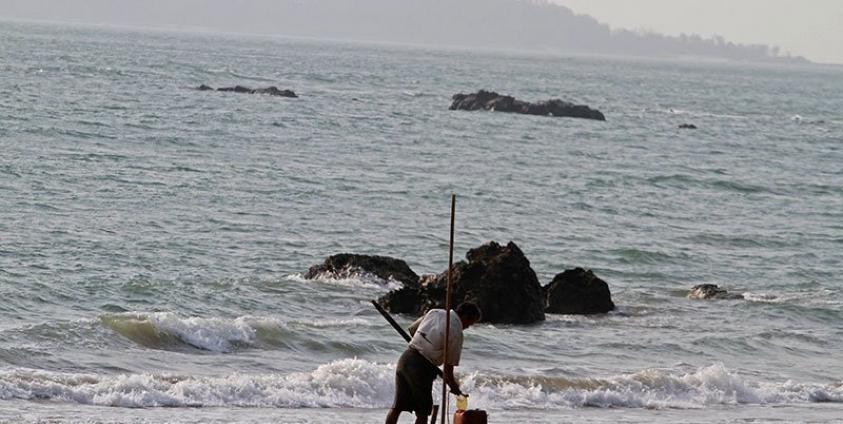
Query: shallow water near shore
(153,237)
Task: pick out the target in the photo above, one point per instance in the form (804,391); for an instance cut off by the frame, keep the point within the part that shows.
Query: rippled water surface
(152,237)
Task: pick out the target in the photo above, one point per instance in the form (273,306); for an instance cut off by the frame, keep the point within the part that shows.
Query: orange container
(473,416)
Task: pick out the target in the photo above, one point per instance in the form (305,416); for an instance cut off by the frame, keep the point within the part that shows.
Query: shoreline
(59,413)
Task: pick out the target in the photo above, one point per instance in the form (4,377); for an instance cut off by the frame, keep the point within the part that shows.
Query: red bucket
(473,416)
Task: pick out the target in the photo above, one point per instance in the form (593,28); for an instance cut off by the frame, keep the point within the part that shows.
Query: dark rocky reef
(347,265)
(489,100)
(271,91)
(711,291)
(580,292)
(497,278)
(687,127)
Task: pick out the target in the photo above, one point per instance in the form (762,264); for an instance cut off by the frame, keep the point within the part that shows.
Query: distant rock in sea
(688,126)
(272,91)
(711,291)
(490,100)
(577,291)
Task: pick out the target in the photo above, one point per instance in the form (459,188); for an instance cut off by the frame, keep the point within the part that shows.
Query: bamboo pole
(448,309)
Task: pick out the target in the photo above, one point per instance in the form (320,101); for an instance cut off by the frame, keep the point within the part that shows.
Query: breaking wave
(169,331)
(163,330)
(356,383)
(351,277)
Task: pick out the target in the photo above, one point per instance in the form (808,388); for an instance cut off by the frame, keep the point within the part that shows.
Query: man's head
(469,314)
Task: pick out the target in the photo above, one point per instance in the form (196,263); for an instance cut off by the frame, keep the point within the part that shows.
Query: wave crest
(165,330)
(356,383)
(169,331)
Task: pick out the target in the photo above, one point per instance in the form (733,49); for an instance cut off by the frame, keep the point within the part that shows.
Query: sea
(153,237)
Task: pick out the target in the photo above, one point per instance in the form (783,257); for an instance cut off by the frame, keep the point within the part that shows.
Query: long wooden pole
(448,309)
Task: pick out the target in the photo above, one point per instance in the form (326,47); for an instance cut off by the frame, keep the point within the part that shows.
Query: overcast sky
(810,28)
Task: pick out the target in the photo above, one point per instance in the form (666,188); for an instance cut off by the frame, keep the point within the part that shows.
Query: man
(416,368)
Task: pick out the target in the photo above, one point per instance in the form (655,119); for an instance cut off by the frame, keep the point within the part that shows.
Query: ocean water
(153,237)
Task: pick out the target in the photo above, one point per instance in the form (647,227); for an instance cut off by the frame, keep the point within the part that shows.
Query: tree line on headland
(534,25)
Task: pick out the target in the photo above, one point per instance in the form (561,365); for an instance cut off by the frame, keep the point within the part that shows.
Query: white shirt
(429,338)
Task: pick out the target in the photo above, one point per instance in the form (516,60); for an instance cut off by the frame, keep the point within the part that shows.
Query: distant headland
(526,25)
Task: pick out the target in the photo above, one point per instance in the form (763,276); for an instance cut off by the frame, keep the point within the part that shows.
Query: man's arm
(451,380)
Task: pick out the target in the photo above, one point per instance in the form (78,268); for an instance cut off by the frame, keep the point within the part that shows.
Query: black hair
(469,310)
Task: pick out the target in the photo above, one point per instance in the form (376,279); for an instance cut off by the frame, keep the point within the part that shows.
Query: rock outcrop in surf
(498,278)
(345,265)
(271,91)
(711,291)
(490,100)
(577,291)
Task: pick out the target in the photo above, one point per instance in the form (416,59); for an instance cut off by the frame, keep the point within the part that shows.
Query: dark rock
(498,278)
(237,89)
(688,126)
(272,90)
(711,291)
(347,265)
(489,100)
(577,291)
(405,300)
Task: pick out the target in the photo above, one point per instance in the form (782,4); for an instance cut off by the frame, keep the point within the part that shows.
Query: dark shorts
(414,377)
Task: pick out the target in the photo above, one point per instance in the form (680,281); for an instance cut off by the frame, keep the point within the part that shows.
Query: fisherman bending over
(416,368)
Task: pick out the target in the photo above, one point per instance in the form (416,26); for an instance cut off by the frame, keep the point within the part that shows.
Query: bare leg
(392,416)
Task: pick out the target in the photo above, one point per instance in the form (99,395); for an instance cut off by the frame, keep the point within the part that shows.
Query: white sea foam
(822,297)
(355,383)
(345,383)
(351,322)
(351,278)
(713,385)
(763,297)
(412,93)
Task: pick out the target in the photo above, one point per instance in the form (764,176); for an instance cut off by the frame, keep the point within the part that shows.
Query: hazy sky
(810,28)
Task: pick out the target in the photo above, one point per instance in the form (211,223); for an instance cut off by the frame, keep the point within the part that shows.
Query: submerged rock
(490,100)
(711,291)
(577,291)
(237,89)
(347,265)
(497,278)
(272,90)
